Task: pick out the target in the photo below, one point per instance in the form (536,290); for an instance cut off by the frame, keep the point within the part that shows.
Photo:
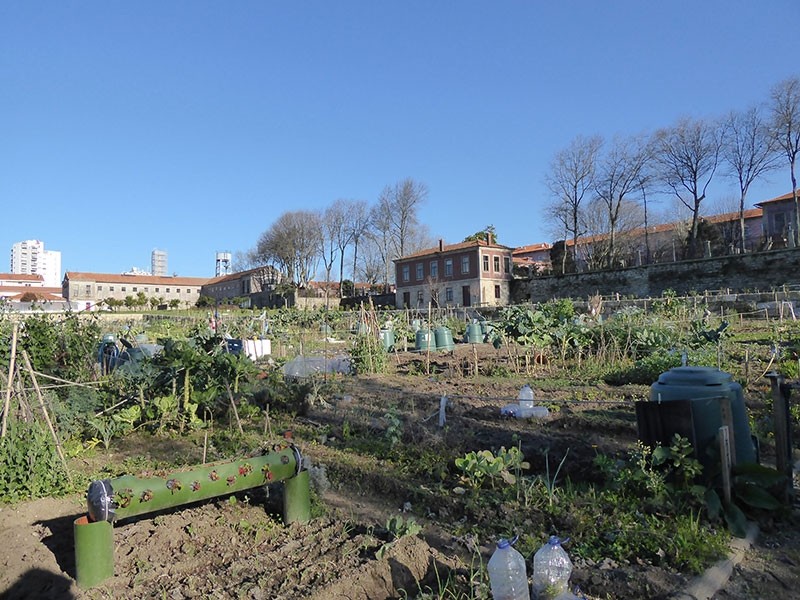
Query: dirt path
(219,549)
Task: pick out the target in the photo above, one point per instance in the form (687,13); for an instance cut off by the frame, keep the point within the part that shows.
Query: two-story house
(474,273)
(256,285)
(779,219)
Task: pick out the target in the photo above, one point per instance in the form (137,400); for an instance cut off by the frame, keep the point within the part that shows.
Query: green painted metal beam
(110,500)
(131,496)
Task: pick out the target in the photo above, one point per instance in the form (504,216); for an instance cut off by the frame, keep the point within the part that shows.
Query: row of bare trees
(349,236)
(601,188)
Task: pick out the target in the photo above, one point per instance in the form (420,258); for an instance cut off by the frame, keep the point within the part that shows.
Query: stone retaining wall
(763,271)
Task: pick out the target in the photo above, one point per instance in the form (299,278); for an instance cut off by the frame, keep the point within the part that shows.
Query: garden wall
(749,272)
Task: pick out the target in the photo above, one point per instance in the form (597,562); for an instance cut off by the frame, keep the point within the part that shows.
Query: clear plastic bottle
(551,570)
(507,575)
(525,396)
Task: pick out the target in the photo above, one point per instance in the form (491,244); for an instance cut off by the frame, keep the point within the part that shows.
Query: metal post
(783,436)
(296,498)
(94,551)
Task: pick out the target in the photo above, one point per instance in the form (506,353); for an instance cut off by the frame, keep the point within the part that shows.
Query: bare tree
(401,201)
(292,245)
(380,236)
(688,155)
(785,128)
(619,175)
(600,251)
(358,226)
(570,178)
(749,152)
(371,263)
(332,221)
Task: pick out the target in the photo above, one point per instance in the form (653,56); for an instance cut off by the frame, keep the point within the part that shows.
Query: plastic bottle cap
(504,543)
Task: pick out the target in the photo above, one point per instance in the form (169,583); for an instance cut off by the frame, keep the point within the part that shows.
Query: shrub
(31,468)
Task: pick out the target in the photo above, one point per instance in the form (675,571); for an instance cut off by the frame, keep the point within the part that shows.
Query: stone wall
(750,272)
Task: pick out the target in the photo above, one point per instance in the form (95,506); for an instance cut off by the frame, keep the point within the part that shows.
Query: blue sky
(191,126)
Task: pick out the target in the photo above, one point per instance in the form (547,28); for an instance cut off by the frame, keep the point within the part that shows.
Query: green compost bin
(474,334)
(424,340)
(702,387)
(387,339)
(444,338)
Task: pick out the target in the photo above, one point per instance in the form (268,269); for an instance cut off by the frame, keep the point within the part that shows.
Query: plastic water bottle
(507,575)
(551,569)
(525,396)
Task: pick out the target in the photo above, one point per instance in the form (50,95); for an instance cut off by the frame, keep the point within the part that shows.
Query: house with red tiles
(473,273)
(779,219)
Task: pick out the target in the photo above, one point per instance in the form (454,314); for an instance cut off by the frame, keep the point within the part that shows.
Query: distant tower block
(158,263)
(223,264)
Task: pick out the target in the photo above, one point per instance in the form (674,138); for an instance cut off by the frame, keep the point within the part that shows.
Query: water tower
(223,264)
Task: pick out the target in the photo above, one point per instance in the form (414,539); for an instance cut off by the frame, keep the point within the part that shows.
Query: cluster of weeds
(647,508)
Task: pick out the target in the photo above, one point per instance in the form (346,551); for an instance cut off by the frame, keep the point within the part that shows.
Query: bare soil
(240,549)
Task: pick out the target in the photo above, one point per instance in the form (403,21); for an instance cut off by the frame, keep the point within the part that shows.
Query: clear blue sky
(191,126)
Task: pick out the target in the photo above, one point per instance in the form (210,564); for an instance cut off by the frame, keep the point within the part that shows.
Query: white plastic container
(507,575)
(551,570)
(525,397)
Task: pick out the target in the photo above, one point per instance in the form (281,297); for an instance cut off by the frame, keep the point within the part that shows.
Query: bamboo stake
(267,424)
(7,403)
(45,413)
(26,414)
(235,412)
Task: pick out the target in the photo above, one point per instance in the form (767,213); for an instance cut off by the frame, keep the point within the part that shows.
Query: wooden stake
(235,412)
(725,456)
(45,413)
(727,421)
(7,404)
(25,412)
(267,424)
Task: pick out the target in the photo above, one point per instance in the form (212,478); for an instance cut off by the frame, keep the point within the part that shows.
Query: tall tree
(618,178)
(292,245)
(380,236)
(402,201)
(371,263)
(688,155)
(570,178)
(332,221)
(749,152)
(785,128)
(359,225)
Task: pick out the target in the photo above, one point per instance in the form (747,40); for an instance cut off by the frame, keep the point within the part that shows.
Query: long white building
(30,258)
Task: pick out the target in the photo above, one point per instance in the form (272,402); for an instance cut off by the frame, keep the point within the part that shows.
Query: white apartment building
(30,258)
(158,263)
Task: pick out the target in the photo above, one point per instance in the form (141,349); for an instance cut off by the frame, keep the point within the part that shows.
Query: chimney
(441,244)
(489,238)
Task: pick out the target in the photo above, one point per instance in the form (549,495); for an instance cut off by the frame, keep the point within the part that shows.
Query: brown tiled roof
(239,275)
(750,213)
(39,294)
(531,248)
(21,277)
(453,248)
(134,279)
(779,198)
